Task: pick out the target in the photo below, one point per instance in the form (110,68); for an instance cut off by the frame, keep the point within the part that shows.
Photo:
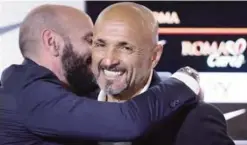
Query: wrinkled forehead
(120,30)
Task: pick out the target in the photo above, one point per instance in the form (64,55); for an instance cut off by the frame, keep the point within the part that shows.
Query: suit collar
(155,79)
(28,62)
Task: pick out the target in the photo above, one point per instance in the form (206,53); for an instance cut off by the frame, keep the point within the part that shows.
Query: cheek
(96,57)
(132,65)
(141,67)
(83,47)
(136,62)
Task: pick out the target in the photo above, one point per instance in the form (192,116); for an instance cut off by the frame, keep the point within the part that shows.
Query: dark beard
(77,73)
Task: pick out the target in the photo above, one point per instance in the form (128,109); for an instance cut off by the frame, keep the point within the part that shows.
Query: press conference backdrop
(208,36)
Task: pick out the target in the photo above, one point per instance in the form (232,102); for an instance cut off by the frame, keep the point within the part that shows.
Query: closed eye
(88,38)
(98,44)
(127,48)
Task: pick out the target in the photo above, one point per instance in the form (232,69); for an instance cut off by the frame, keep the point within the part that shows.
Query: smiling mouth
(112,74)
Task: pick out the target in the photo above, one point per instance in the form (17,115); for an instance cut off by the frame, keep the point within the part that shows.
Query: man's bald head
(59,38)
(137,16)
(125,48)
(57,18)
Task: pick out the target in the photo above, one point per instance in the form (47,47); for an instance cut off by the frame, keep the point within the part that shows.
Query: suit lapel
(155,79)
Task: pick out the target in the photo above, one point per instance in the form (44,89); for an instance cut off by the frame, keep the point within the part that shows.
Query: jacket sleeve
(204,125)
(51,111)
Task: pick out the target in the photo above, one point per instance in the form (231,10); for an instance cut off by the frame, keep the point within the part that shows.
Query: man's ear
(157,52)
(52,42)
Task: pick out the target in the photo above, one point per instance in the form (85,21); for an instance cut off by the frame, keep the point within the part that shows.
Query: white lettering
(199,48)
(167,17)
(222,54)
(215,60)
(186,48)
(238,61)
(221,49)
(230,46)
(208,49)
(239,47)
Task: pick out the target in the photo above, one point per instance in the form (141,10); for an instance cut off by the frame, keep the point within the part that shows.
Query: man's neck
(131,92)
(54,65)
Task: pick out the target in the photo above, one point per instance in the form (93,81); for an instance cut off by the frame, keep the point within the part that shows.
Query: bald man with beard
(125,52)
(37,104)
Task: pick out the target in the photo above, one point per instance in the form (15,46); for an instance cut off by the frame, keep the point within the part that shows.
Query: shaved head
(125,48)
(57,18)
(59,38)
(140,19)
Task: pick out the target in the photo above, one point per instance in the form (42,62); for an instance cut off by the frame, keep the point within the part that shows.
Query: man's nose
(110,60)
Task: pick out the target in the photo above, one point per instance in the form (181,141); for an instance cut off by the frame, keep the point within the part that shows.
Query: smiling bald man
(125,52)
(124,34)
(39,104)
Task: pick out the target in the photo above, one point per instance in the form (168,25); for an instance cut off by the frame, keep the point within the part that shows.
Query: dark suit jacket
(35,108)
(201,124)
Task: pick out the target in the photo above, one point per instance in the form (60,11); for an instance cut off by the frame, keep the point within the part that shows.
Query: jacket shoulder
(203,114)
(204,124)
(205,109)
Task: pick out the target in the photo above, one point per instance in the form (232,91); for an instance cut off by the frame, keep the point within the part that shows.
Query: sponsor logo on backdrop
(220,53)
(167,17)
(224,87)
